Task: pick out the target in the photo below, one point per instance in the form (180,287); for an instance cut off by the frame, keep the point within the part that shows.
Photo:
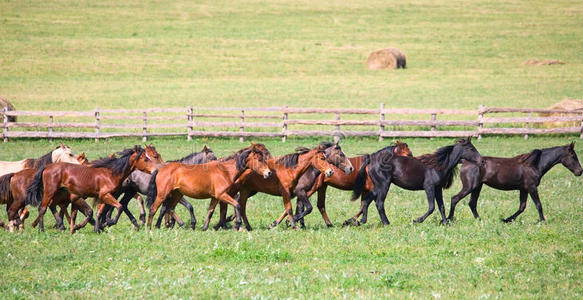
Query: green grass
(75,55)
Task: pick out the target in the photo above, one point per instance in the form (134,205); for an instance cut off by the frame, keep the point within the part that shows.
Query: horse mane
(531,158)
(438,159)
(291,160)
(117,165)
(35,163)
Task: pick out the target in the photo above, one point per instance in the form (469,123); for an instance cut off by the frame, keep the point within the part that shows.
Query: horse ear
(572,145)
(205,149)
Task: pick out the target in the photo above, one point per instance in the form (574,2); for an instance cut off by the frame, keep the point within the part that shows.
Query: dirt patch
(536,62)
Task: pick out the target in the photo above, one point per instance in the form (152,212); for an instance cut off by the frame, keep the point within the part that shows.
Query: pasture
(66,55)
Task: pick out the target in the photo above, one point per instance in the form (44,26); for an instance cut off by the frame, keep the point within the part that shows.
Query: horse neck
(356,161)
(549,158)
(230,166)
(453,159)
(303,165)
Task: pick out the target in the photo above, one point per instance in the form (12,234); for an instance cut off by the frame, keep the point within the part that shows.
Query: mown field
(65,55)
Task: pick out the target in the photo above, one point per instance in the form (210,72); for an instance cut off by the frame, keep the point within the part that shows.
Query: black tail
(34,192)
(5,194)
(360,181)
(152,190)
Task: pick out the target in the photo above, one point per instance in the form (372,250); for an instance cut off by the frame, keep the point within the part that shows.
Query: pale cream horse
(61,154)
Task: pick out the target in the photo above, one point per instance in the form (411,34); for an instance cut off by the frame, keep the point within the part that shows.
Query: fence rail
(287,121)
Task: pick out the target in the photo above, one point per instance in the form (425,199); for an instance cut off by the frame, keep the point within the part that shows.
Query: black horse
(522,173)
(429,172)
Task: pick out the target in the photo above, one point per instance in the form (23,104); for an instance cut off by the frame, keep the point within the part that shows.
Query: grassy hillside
(81,54)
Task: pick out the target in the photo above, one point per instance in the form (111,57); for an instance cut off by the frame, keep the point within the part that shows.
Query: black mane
(117,165)
(32,163)
(291,160)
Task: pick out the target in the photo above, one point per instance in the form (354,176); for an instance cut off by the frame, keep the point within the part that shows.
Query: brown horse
(17,186)
(288,170)
(313,181)
(209,180)
(97,180)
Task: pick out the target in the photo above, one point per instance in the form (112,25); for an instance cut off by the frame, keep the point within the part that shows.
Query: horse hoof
(445,222)
(418,220)
(329,225)
(507,220)
(272,225)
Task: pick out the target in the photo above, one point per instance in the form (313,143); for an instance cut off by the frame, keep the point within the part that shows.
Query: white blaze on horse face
(266,174)
(329,172)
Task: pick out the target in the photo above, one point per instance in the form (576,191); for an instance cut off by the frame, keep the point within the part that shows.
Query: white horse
(61,154)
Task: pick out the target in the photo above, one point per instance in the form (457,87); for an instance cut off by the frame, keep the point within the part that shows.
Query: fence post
(480,118)
(189,122)
(527,125)
(144,127)
(51,120)
(242,126)
(6,125)
(433,118)
(97,124)
(337,129)
(284,125)
(381,120)
(580,136)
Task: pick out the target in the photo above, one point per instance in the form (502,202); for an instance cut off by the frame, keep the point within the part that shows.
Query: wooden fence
(287,121)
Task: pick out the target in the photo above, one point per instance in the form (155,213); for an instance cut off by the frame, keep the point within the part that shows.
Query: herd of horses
(60,179)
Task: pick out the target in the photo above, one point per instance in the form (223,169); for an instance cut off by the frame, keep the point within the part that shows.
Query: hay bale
(5,103)
(565,104)
(389,58)
(536,62)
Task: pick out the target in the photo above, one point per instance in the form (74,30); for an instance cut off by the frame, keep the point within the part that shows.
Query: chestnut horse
(61,154)
(313,180)
(99,180)
(17,187)
(288,170)
(210,180)
(429,172)
(523,172)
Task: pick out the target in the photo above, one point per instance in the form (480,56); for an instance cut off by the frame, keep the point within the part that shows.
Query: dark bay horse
(99,180)
(523,172)
(210,180)
(288,169)
(138,182)
(429,172)
(313,180)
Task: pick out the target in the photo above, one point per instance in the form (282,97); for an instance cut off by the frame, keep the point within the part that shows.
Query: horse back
(506,173)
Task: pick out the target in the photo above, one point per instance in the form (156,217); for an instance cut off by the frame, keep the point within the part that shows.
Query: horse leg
(440,206)
(430,192)
(80,204)
(474,201)
(225,197)
(354,220)
(521,207)
(457,198)
(191,211)
(243,209)
(380,203)
(212,206)
(287,212)
(58,220)
(303,207)
(539,207)
(176,217)
(163,210)
(322,205)
(127,196)
(142,209)
(364,206)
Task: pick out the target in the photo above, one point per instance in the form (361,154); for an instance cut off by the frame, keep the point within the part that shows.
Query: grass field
(73,55)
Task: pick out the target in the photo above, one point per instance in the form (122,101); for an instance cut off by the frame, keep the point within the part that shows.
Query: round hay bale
(389,58)
(3,104)
(565,104)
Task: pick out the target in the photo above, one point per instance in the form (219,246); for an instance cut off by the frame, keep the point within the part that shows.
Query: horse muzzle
(329,172)
(266,174)
(348,169)
(579,172)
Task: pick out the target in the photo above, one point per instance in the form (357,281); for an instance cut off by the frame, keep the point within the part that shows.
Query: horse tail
(34,192)
(450,177)
(152,190)
(360,181)
(5,193)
